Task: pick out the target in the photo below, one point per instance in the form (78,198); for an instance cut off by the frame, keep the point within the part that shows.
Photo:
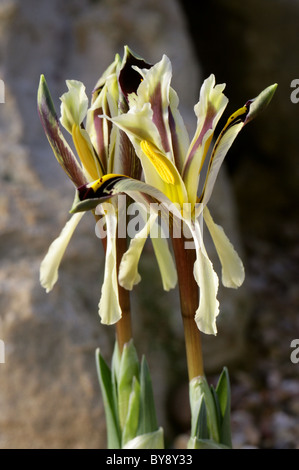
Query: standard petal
(60,147)
(207,281)
(50,264)
(233,273)
(109,308)
(154,89)
(208,110)
(74,105)
(234,125)
(221,148)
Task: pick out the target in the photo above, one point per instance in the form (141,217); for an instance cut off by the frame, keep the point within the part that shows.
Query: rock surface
(49,395)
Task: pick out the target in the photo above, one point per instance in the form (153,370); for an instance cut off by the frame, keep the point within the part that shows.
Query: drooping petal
(60,147)
(233,273)
(208,110)
(109,308)
(207,281)
(128,270)
(165,262)
(50,264)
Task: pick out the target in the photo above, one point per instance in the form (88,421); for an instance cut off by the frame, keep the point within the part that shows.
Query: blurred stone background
(49,394)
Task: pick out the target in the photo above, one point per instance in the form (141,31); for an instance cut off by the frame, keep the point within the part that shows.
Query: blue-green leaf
(104,375)
(148,420)
(224,397)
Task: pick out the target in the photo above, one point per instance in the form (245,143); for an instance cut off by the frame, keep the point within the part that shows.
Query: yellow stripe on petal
(173,186)
(234,117)
(85,153)
(160,162)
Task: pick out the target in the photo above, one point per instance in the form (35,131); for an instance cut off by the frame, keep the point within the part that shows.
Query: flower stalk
(124,325)
(189,298)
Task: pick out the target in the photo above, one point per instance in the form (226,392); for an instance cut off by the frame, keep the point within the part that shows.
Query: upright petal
(50,264)
(233,273)
(109,308)
(234,125)
(74,105)
(154,89)
(208,111)
(60,147)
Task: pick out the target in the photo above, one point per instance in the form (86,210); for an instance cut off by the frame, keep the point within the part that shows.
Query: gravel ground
(265,390)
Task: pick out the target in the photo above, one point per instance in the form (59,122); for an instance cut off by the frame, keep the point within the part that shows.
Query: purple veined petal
(60,147)
(155,90)
(208,110)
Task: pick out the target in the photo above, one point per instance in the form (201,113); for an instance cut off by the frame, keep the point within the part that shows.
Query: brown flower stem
(123,326)
(189,298)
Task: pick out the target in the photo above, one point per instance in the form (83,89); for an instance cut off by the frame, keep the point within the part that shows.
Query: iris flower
(179,173)
(102,149)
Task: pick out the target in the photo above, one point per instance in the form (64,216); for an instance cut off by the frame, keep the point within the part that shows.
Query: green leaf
(224,398)
(131,424)
(202,430)
(104,375)
(199,392)
(128,369)
(196,400)
(148,420)
(195,443)
(152,440)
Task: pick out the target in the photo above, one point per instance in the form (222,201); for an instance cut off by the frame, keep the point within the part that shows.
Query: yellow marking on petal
(95,185)
(84,152)
(234,116)
(160,162)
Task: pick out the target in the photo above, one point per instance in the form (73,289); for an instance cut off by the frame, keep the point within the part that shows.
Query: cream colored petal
(208,110)
(220,150)
(233,273)
(74,105)
(50,264)
(166,264)
(128,270)
(207,281)
(109,308)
